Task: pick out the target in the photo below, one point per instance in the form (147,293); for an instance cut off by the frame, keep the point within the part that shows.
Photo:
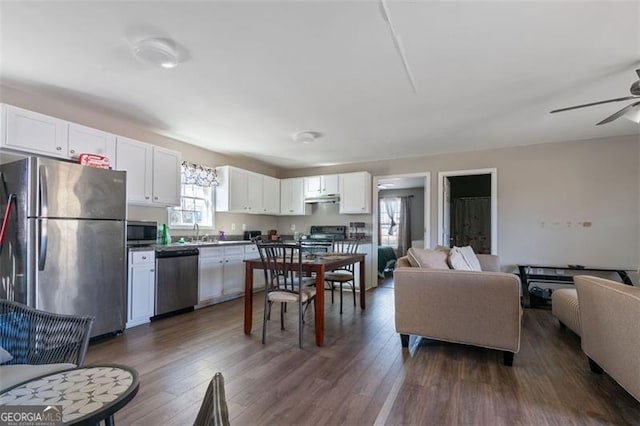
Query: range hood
(325,198)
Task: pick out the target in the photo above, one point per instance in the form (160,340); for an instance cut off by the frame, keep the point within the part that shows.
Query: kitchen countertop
(178,246)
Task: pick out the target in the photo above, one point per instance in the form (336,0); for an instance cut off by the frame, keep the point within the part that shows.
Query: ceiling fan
(635,92)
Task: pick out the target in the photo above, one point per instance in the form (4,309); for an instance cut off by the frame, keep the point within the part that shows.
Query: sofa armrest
(478,308)
(609,315)
(403,262)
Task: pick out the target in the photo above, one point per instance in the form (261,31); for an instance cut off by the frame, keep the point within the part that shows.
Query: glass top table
(86,395)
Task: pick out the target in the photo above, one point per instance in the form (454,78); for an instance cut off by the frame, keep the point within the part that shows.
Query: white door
(445,199)
(446,213)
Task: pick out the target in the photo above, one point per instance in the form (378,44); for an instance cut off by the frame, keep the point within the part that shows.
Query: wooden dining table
(318,264)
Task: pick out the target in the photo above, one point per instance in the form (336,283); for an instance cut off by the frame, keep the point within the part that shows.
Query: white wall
(546,193)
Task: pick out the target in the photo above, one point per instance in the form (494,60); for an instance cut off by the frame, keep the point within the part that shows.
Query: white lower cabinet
(366,249)
(210,274)
(251,252)
(233,272)
(220,274)
(141,287)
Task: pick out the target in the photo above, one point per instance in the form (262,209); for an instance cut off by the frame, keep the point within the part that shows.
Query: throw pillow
(4,356)
(464,259)
(425,258)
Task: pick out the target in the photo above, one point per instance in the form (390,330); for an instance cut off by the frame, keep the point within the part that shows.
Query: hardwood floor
(361,376)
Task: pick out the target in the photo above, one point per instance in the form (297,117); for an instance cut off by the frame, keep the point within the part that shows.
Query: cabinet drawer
(142,257)
(234,251)
(212,252)
(251,250)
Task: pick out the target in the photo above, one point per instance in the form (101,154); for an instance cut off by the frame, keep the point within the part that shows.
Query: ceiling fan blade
(626,98)
(618,114)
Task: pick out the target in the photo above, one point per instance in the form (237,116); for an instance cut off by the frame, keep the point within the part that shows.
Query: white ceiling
(256,72)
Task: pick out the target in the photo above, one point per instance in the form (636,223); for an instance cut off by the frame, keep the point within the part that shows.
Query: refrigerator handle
(44,193)
(44,239)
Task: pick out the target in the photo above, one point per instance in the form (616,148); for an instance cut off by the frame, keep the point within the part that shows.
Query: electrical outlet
(244,227)
(293,226)
(233,226)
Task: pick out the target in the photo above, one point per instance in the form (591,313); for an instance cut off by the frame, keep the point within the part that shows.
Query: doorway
(467,209)
(391,231)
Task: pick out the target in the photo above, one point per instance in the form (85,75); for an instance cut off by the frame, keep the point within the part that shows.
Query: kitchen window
(197,204)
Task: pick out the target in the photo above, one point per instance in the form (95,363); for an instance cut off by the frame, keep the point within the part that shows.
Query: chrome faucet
(197,229)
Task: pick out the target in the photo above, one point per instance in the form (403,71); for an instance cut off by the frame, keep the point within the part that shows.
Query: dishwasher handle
(177,253)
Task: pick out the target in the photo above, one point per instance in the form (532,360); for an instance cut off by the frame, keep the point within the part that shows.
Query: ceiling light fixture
(307,136)
(160,52)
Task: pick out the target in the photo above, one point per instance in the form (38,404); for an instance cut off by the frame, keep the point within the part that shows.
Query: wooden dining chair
(343,276)
(284,281)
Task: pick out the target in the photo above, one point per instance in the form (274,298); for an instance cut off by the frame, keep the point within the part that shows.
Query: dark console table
(526,277)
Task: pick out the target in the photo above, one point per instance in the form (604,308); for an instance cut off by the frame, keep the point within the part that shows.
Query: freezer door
(68,190)
(83,271)
(17,250)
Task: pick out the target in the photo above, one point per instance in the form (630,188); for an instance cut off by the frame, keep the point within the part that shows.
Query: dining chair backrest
(346,246)
(282,264)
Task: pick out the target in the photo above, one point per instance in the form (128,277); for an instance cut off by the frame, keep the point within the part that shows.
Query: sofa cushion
(464,259)
(425,258)
(11,375)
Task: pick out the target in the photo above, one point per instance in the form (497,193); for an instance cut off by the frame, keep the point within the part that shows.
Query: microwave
(141,233)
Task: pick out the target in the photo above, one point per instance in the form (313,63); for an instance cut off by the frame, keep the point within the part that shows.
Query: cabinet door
(136,158)
(35,133)
(292,197)
(233,274)
(329,184)
(254,193)
(237,190)
(85,140)
(141,294)
(355,193)
(270,195)
(166,176)
(210,277)
(365,249)
(312,186)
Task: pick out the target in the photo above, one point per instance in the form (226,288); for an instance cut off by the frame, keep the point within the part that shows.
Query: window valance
(197,174)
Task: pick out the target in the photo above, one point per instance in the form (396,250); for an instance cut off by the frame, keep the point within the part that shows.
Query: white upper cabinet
(136,158)
(355,193)
(33,132)
(292,198)
(316,186)
(85,140)
(153,173)
(41,134)
(242,191)
(166,176)
(270,195)
(254,193)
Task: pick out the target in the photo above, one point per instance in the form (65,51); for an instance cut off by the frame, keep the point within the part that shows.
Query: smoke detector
(160,52)
(307,136)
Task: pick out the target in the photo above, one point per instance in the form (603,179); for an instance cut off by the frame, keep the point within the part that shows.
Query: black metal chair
(213,411)
(284,281)
(343,276)
(34,337)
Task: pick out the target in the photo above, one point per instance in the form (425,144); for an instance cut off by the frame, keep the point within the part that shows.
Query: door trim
(494,202)
(375,207)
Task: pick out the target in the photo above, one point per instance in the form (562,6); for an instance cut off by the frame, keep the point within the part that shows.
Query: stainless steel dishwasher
(176,280)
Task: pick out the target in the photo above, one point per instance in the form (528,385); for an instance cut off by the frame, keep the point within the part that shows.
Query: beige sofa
(473,308)
(610,319)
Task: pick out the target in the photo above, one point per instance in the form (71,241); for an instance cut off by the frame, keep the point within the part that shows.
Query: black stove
(321,238)
(329,233)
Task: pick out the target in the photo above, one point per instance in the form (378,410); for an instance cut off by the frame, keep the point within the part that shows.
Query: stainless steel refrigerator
(64,243)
